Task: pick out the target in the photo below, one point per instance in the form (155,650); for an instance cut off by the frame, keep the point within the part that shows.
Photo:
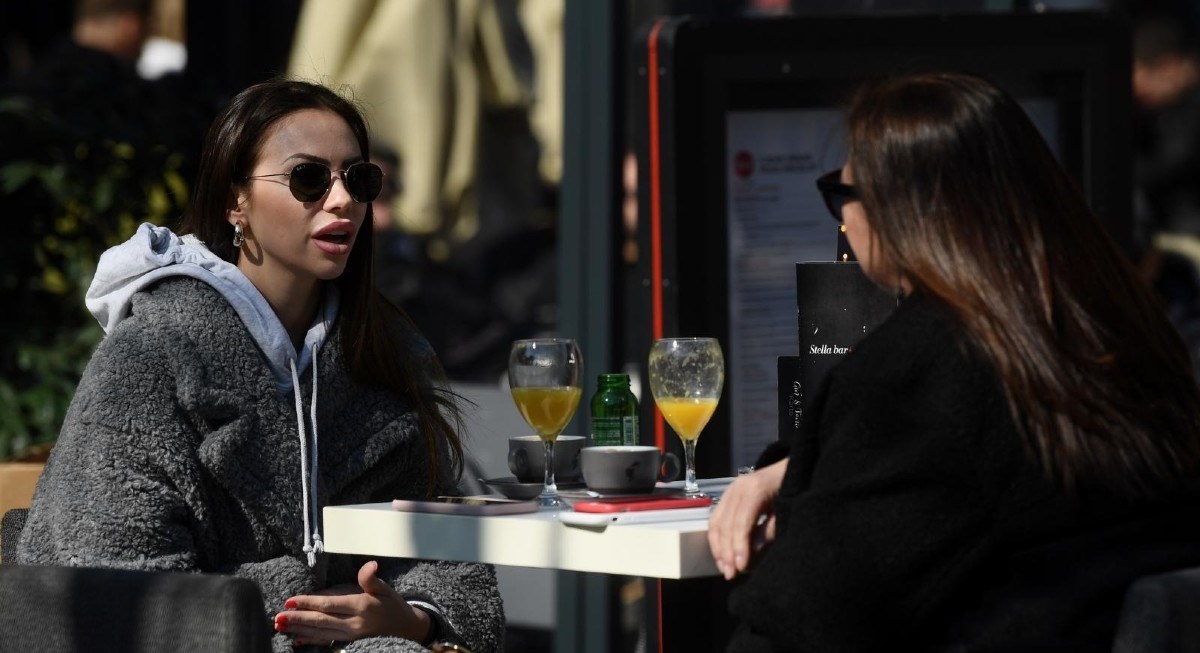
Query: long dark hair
(969,205)
(375,353)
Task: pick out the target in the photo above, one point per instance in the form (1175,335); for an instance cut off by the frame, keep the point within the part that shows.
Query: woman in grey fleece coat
(250,376)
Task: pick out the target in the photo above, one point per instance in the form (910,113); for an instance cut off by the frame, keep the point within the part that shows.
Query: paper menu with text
(776,218)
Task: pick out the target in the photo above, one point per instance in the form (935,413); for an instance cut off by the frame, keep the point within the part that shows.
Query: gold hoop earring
(239,236)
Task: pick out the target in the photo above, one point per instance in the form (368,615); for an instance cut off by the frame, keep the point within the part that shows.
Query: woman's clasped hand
(743,522)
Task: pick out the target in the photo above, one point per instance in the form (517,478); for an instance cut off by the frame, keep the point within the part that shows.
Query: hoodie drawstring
(312,531)
(316,536)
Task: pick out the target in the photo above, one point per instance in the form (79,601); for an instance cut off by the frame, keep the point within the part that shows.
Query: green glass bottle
(614,412)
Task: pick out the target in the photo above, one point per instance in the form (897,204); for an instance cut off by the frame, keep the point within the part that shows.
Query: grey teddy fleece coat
(180,453)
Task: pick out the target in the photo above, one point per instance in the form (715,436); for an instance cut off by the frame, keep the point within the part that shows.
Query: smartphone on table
(471,505)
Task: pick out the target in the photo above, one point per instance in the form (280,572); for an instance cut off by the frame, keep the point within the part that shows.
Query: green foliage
(69,196)
(31,416)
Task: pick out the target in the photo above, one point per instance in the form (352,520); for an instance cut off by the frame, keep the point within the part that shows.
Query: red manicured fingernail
(290,603)
(281,619)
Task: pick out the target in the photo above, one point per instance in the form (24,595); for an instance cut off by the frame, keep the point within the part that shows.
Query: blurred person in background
(1166,92)
(90,149)
(469,94)
(397,253)
(89,82)
(118,27)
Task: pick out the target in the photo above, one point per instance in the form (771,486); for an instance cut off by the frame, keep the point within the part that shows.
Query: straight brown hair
(969,205)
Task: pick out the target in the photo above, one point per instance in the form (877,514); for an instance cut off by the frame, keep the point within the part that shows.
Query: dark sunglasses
(835,193)
(310,181)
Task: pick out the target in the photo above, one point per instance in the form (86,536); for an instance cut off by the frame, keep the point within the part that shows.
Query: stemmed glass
(686,377)
(544,375)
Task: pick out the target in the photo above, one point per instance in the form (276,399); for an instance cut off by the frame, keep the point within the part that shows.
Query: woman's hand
(347,612)
(743,522)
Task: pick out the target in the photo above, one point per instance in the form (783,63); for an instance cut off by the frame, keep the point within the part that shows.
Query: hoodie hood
(156,252)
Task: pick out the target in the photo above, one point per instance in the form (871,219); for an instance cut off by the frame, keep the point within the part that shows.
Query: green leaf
(15,175)
(102,198)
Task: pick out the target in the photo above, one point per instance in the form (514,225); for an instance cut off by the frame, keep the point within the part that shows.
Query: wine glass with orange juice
(686,377)
(544,375)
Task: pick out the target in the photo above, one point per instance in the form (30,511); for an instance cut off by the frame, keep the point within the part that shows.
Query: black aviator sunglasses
(310,181)
(835,193)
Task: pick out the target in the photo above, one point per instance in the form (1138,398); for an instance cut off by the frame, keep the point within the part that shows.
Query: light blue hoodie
(154,253)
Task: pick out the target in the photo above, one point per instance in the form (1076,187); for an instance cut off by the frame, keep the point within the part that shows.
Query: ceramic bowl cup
(527,458)
(627,469)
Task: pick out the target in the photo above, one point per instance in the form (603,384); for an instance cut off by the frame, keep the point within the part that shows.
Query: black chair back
(69,609)
(10,529)
(1161,614)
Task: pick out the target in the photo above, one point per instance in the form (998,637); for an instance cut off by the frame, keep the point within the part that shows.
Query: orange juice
(687,415)
(547,410)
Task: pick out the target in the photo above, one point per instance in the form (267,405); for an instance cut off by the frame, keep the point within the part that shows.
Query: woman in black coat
(993,466)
